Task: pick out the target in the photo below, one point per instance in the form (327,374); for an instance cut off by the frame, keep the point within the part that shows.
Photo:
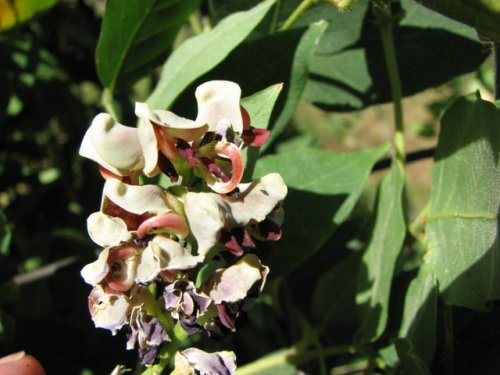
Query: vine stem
(303,6)
(386,20)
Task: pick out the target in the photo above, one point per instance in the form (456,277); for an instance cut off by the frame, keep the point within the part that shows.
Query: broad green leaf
(333,297)
(323,188)
(483,15)
(346,72)
(298,77)
(418,325)
(5,234)
(200,54)
(379,259)
(462,227)
(411,363)
(259,107)
(136,36)
(13,12)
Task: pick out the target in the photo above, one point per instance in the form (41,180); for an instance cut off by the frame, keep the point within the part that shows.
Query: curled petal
(114,146)
(96,271)
(233,284)
(107,230)
(137,199)
(147,137)
(219,100)
(233,153)
(122,269)
(170,222)
(165,144)
(108,311)
(163,254)
(258,199)
(254,136)
(210,214)
(194,361)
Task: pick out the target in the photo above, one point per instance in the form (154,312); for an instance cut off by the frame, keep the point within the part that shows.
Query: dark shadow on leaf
(426,58)
(308,224)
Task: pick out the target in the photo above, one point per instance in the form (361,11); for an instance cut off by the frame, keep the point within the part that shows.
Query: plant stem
(276,13)
(386,20)
(110,104)
(194,21)
(303,6)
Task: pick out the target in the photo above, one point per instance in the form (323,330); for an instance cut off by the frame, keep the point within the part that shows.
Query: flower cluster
(186,254)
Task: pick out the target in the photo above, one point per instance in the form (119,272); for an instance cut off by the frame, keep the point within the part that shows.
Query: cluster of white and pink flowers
(160,243)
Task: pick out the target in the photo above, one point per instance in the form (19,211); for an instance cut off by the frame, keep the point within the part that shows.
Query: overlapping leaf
(200,54)
(462,225)
(136,36)
(323,189)
(379,259)
(346,72)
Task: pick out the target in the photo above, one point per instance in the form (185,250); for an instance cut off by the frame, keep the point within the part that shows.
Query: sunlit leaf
(379,259)
(259,107)
(298,77)
(13,12)
(347,73)
(200,54)
(276,363)
(323,189)
(462,225)
(136,36)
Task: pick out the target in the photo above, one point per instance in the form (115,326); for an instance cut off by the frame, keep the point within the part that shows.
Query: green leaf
(418,325)
(200,54)
(5,234)
(276,363)
(13,12)
(323,189)
(411,363)
(259,107)
(136,36)
(462,224)
(298,77)
(333,298)
(346,73)
(379,259)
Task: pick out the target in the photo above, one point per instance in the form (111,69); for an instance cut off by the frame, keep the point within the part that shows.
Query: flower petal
(170,222)
(233,284)
(203,363)
(205,213)
(233,153)
(257,199)
(93,273)
(107,230)
(218,100)
(112,145)
(137,199)
(163,254)
(108,311)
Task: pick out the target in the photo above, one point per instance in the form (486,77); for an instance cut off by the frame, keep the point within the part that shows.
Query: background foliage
(368,277)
